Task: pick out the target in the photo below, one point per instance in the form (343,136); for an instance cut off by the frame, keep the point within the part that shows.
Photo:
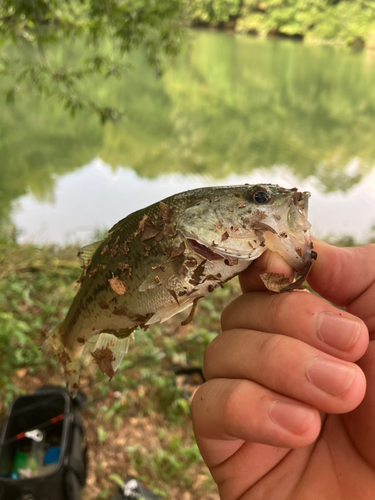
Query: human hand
(285,413)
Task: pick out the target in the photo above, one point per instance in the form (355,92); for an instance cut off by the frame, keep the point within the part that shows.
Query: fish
(161,260)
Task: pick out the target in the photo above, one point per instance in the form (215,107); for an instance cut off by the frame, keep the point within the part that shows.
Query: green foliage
(109,30)
(288,17)
(146,372)
(102,435)
(348,21)
(17,348)
(343,21)
(215,11)
(28,29)
(167,462)
(31,281)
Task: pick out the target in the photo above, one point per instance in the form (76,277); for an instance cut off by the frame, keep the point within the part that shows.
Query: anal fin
(118,347)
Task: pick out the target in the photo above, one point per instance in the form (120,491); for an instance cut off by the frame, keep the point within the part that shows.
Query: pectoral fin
(158,276)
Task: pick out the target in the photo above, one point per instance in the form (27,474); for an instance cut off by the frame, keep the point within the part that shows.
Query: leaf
(116,479)
(10,96)
(101,433)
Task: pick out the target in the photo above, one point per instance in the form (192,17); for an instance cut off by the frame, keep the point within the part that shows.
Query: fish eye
(261,197)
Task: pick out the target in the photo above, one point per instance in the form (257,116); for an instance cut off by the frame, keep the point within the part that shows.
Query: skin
(280,417)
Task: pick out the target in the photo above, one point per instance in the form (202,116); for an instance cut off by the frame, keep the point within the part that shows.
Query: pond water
(230,110)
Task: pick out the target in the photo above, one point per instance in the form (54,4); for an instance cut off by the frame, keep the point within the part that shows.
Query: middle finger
(286,366)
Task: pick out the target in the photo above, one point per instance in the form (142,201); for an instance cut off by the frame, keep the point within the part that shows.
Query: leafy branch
(32,26)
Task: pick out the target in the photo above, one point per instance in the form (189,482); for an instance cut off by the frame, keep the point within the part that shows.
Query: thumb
(341,275)
(268,262)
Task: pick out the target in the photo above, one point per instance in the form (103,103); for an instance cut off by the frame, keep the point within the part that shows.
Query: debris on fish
(160,260)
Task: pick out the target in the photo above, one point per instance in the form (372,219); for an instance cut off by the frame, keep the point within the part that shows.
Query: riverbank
(340,23)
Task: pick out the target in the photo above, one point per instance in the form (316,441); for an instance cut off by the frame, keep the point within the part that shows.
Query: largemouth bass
(160,260)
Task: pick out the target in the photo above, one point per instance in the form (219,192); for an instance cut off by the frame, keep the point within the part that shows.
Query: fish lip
(303,207)
(301,198)
(295,248)
(300,201)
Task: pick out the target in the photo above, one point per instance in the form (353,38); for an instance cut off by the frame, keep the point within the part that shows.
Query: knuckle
(224,317)
(281,306)
(219,351)
(210,355)
(232,410)
(196,404)
(229,315)
(267,347)
(286,310)
(273,348)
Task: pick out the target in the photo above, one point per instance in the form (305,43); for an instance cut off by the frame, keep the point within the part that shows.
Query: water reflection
(229,106)
(97,197)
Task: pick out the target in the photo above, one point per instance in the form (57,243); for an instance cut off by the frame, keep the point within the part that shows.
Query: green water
(229,104)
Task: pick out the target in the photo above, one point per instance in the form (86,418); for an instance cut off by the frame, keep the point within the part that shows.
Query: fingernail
(291,416)
(331,377)
(336,331)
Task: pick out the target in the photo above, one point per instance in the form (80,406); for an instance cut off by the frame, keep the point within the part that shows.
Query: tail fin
(69,360)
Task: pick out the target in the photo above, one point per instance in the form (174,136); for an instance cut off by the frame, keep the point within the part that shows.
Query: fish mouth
(294,245)
(214,252)
(203,250)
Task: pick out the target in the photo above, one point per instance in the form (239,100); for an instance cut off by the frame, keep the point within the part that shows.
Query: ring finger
(232,410)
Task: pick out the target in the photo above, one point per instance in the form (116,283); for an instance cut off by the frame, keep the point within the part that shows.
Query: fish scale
(160,260)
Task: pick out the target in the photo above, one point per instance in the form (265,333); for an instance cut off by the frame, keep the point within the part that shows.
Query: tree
(103,31)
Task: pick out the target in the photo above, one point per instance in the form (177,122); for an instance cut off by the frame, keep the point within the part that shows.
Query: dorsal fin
(117,225)
(86,253)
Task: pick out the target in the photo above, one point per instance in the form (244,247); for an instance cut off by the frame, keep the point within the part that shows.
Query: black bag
(43,455)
